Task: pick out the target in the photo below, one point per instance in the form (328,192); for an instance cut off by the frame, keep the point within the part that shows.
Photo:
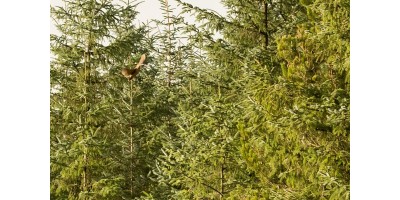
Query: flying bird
(131,73)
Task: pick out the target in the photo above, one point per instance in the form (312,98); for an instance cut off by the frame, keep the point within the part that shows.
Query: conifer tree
(252,105)
(93,155)
(281,69)
(198,160)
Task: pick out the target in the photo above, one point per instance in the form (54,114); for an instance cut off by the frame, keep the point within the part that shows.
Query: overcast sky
(150,9)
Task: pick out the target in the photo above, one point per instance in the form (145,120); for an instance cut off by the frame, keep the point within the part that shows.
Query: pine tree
(199,160)
(277,84)
(252,105)
(88,115)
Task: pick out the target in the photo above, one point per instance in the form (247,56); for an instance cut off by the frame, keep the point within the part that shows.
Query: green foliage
(99,122)
(284,107)
(252,105)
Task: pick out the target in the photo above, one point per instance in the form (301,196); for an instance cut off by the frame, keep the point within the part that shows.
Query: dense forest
(251,105)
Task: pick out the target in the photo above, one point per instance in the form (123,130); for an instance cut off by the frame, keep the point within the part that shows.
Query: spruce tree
(277,84)
(95,153)
(252,105)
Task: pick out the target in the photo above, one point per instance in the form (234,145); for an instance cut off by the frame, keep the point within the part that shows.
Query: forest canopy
(251,105)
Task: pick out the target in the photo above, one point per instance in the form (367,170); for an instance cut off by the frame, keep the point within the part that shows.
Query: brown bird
(131,73)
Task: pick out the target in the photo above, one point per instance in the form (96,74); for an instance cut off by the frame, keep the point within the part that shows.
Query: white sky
(151,9)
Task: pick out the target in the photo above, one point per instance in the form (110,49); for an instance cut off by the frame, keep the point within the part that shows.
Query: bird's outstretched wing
(140,63)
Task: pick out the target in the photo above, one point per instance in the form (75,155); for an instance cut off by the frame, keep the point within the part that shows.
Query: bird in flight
(131,73)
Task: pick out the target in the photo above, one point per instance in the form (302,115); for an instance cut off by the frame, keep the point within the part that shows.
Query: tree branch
(266,22)
(212,188)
